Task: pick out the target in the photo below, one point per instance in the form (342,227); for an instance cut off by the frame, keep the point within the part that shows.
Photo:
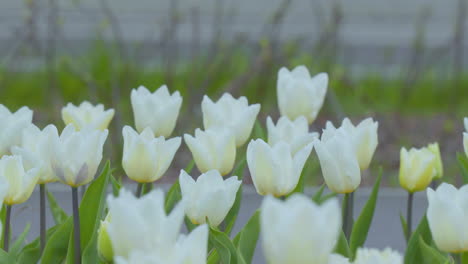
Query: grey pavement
(385,229)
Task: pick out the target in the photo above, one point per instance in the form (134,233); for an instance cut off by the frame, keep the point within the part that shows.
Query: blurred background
(402,62)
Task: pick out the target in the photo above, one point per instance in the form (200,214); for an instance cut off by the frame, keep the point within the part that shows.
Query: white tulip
(37,146)
(340,166)
(296,133)
(363,137)
(21,177)
(146,158)
(337,259)
(77,155)
(87,115)
(210,197)
(142,223)
(447,217)
(275,169)
(375,256)
(190,250)
(299,94)
(212,149)
(12,125)
(231,113)
(299,231)
(158,110)
(417,168)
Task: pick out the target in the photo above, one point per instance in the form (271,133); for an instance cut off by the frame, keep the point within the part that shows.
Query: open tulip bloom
(87,115)
(235,114)
(210,197)
(158,110)
(11,127)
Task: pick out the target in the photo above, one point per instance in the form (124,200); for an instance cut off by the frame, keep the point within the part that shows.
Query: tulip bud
(231,113)
(375,256)
(338,160)
(141,224)
(146,158)
(296,133)
(299,94)
(446,214)
(210,197)
(36,147)
(158,110)
(104,245)
(299,231)
(12,125)
(87,115)
(364,138)
(275,169)
(417,168)
(21,177)
(439,169)
(77,155)
(212,149)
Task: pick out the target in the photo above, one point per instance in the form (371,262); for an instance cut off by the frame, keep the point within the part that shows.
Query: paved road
(385,229)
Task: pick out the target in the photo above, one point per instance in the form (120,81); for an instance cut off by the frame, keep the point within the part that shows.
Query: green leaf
(404,225)
(463,164)
(116,185)
(56,247)
(31,253)
(231,217)
(173,197)
(246,239)
(227,251)
(318,195)
(58,213)
(430,254)
(413,251)
(259,131)
(342,246)
(18,244)
(464,258)
(147,187)
(190,166)
(363,223)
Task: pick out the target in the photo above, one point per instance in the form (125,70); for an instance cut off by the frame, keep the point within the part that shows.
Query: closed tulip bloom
(12,125)
(417,168)
(235,114)
(37,146)
(439,168)
(158,110)
(299,231)
(338,160)
(275,169)
(296,132)
(141,224)
(364,138)
(146,158)
(447,217)
(299,94)
(87,115)
(375,256)
(212,149)
(21,177)
(77,155)
(210,197)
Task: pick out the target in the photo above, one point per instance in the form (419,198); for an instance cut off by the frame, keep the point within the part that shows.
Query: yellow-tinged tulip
(87,115)
(299,94)
(298,230)
(146,158)
(448,218)
(439,168)
(235,114)
(158,110)
(11,128)
(417,168)
(21,176)
(213,149)
(376,256)
(104,244)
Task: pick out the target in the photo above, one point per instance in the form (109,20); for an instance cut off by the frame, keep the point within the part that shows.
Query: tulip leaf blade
(173,196)
(318,194)
(259,131)
(56,247)
(246,240)
(413,251)
(57,212)
(231,217)
(464,258)
(18,244)
(116,185)
(404,225)
(430,254)
(463,164)
(342,246)
(222,244)
(363,222)
(31,253)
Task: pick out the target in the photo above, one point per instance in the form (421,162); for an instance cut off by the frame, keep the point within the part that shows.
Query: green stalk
(76,226)
(139,189)
(409,215)
(348,208)
(42,222)
(6,231)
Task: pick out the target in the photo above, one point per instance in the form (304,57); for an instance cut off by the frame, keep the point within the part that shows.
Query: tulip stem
(6,231)
(139,189)
(348,214)
(42,219)
(409,216)
(457,257)
(76,226)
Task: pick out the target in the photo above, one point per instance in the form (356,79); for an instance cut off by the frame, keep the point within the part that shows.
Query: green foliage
(231,217)
(414,253)
(58,213)
(246,239)
(342,246)
(430,254)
